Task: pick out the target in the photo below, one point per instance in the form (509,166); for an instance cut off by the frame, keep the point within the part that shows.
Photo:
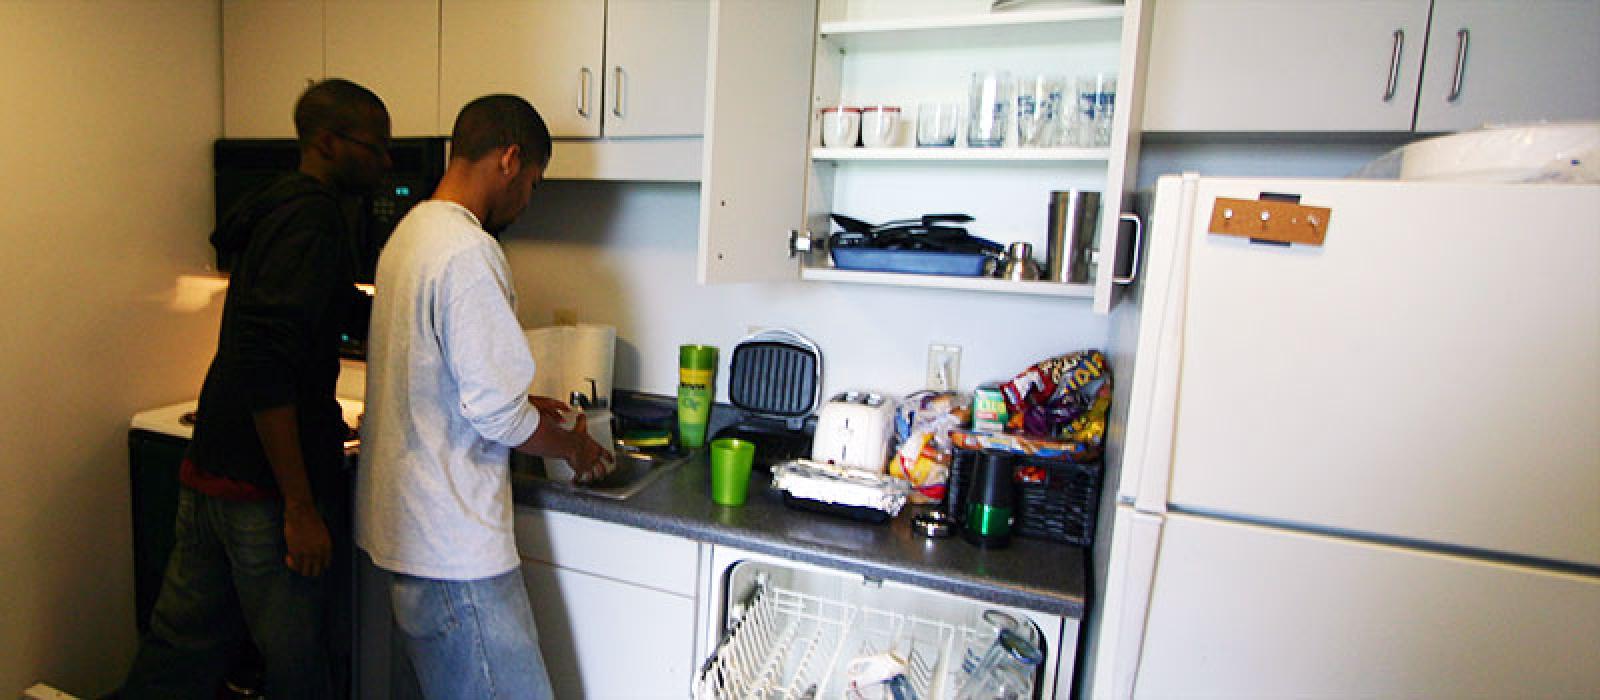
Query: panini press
(775,381)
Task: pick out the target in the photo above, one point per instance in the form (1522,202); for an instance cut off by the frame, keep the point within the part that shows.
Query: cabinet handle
(1138,248)
(584,75)
(1394,64)
(1461,64)
(616,94)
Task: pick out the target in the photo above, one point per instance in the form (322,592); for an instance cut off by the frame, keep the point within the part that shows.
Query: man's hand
(310,548)
(589,460)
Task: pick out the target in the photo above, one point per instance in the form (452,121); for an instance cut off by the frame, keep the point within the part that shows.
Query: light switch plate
(944,366)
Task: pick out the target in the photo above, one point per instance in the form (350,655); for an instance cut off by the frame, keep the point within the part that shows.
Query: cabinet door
(602,638)
(759,116)
(655,67)
(1284,65)
(391,47)
(548,51)
(1518,61)
(271,50)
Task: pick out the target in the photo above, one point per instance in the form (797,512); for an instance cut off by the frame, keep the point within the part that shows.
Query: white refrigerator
(1366,468)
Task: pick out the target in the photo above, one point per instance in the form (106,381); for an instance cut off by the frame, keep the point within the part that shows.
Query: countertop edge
(530,493)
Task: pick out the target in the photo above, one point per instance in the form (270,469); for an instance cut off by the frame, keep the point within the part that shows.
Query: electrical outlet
(944,366)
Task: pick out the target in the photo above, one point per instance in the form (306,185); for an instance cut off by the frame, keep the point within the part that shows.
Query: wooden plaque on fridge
(1267,220)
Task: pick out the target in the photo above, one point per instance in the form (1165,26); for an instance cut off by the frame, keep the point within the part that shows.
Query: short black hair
(499,121)
(336,105)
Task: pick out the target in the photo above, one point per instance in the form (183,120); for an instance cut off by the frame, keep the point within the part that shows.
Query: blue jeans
(473,640)
(227,568)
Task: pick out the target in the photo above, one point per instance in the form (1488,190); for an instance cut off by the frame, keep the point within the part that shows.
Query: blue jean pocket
(423,609)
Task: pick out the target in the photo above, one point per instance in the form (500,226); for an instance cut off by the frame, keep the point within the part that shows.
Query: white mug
(878,125)
(841,126)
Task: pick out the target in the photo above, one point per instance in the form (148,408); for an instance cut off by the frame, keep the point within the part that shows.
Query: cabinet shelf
(974,284)
(969,22)
(961,154)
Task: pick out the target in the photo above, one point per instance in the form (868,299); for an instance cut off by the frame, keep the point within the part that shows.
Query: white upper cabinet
(271,51)
(1358,65)
(391,47)
(1284,65)
(551,52)
(655,67)
(593,68)
(1497,61)
(755,151)
(768,182)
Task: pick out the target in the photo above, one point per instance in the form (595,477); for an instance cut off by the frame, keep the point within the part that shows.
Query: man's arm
(304,533)
(295,281)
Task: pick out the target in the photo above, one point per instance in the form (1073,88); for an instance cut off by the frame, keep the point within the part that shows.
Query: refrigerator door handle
(1138,247)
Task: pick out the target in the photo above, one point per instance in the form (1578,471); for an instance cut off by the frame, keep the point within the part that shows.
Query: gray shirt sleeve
(483,348)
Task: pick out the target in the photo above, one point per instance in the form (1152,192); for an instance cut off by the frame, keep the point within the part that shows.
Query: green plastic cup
(730,470)
(697,389)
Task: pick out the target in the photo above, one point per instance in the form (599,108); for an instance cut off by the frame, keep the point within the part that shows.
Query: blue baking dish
(919,262)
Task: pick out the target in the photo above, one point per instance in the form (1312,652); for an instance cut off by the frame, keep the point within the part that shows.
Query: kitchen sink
(635,470)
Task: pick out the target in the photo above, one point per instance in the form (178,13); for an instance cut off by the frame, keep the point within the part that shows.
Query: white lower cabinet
(608,639)
(615,605)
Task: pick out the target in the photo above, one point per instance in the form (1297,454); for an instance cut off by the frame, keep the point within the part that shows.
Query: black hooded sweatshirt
(290,296)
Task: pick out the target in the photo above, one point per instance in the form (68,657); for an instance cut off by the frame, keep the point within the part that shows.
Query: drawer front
(650,559)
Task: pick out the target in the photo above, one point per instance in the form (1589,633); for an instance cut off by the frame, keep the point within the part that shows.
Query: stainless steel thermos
(991,497)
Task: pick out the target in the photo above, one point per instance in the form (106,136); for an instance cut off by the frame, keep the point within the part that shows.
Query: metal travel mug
(990,501)
(1073,217)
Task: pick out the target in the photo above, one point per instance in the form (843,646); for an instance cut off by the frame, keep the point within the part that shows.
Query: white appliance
(1369,468)
(854,429)
(787,629)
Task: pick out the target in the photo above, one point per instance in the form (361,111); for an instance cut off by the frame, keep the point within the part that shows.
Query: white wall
(1277,156)
(624,254)
(107,111)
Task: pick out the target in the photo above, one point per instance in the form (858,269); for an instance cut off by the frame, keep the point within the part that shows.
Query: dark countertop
(1031,574)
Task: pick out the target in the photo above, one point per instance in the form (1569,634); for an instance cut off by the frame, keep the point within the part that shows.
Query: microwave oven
(240,166)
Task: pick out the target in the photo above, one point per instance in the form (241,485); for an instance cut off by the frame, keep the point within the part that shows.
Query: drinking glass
(1006,671)
(991,101)
(937,123)
(1037,104)
(1096,103)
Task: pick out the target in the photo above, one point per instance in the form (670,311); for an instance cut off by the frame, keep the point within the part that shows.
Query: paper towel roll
(567,357)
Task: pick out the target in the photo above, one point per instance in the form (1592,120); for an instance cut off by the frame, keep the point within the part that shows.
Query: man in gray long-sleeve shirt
(447,376)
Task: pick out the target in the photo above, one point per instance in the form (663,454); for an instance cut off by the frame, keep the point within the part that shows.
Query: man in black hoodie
(262,472)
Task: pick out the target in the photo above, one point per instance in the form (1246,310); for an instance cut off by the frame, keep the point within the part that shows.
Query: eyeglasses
(377,150)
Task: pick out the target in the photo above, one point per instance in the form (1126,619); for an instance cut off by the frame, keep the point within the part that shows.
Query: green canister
(697,375)
(989,414)
(991,500)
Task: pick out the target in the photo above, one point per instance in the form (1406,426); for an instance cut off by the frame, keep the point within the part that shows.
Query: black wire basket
(1057,500)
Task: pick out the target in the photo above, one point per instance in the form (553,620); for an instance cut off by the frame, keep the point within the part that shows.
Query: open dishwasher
(787,629)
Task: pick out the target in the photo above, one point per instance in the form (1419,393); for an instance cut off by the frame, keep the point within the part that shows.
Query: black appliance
(775,380)
(241,166)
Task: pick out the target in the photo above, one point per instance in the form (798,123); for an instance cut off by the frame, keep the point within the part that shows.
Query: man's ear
(511,160)
(323,144)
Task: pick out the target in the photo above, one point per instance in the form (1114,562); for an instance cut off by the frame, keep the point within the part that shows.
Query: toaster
(854,429)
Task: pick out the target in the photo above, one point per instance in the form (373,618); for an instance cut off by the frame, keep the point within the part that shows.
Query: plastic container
(697,367)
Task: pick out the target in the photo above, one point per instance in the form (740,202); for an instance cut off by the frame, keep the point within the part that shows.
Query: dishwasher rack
(784,644)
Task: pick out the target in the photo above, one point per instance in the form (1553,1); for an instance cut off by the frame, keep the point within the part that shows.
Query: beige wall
(107,112)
